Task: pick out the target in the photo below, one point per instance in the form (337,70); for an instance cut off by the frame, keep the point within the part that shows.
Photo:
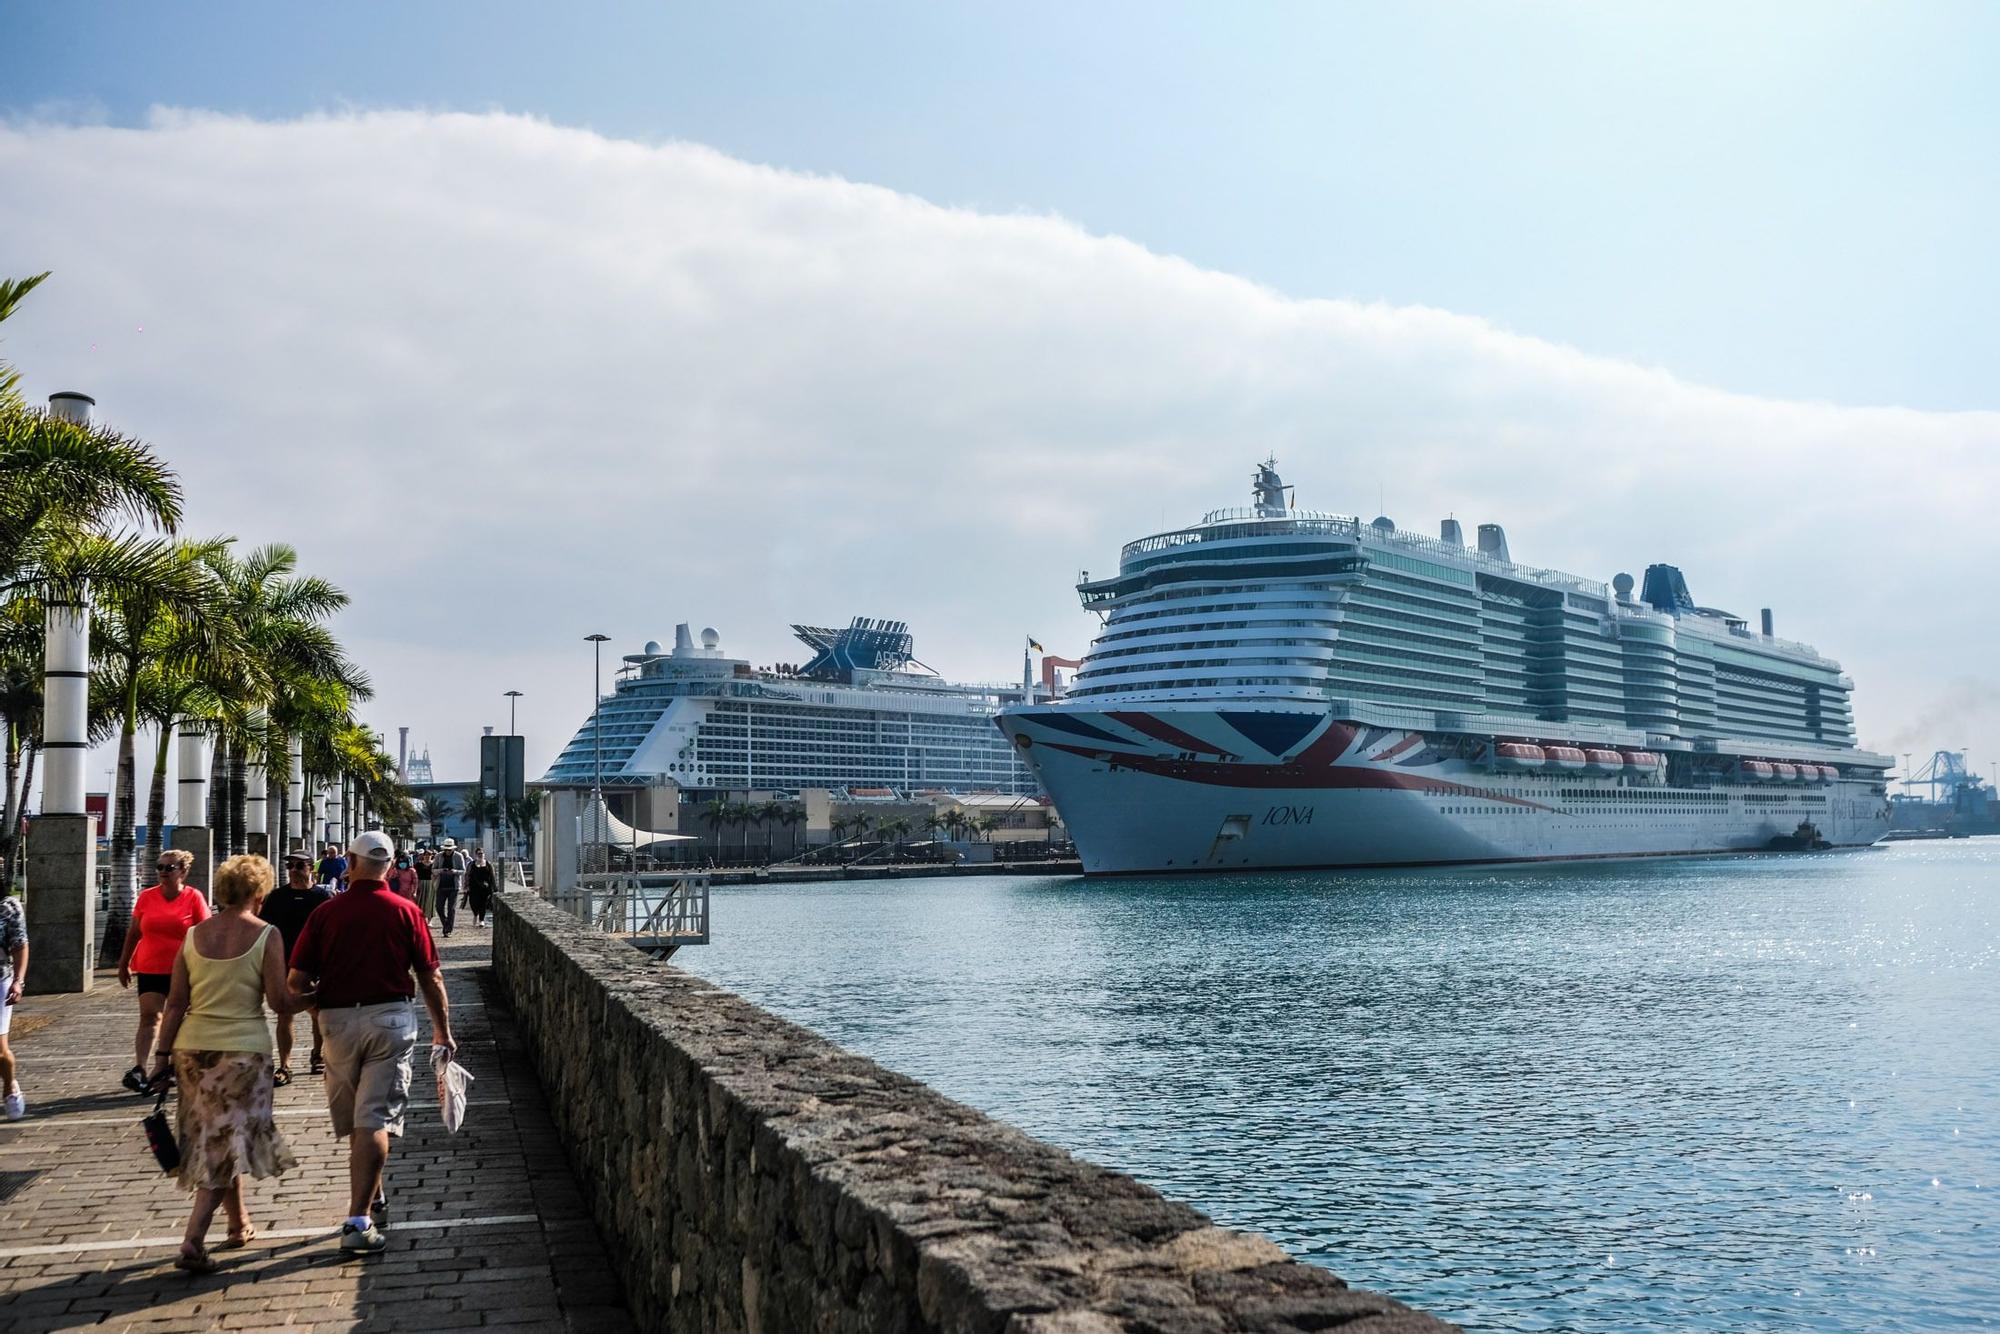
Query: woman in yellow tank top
(214,1030)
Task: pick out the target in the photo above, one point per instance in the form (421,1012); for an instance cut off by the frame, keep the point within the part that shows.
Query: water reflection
(1713,1093)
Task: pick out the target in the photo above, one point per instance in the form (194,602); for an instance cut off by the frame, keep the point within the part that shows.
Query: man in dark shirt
(355,959)
(287,908)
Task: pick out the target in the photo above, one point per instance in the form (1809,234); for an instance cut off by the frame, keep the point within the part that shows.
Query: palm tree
(436,810)
(523,814)
(985,822)
(715,814)
(295,667)
(11,292)
(482,808)
(791,817)
(165,626)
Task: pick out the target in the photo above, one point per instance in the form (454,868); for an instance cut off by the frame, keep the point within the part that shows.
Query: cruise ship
(1274,688)
(861,712)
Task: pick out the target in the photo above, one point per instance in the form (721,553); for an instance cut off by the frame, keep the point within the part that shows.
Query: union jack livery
(1281,688)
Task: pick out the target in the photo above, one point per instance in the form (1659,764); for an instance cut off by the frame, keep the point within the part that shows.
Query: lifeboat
(1758,771)
(1565,759)
(1642,761)
(1783,772)
(1829,773)
(1517,756)
(1603,761)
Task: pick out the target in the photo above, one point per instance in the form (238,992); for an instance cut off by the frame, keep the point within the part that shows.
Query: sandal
(318,1066)
(194,1260)
(135,1079)
(243,1238)
(282,1078)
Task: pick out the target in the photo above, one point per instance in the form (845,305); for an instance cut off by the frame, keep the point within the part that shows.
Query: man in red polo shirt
(355,958)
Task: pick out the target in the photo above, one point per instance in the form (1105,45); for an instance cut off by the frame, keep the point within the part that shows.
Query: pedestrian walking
(367,954)
(161,918)
(215,1041)
(479,886)
(332,867)
(450,872)
(13,976)
(426,869)
(404,878)
(288,908)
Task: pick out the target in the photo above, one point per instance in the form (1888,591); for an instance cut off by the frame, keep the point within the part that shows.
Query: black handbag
(160,1132)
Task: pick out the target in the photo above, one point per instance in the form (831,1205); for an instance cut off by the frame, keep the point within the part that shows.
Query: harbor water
(1732,1094)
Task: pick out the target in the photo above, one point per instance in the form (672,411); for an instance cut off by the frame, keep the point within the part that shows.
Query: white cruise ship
(1280,688)
(862,712)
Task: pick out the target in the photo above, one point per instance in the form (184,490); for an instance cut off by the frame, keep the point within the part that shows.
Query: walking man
(450,873)
(287,908)
(366,954)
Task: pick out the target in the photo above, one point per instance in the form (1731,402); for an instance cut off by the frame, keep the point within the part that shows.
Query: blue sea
(1732,1094)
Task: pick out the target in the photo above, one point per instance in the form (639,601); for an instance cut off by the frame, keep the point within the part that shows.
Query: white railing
(659,912)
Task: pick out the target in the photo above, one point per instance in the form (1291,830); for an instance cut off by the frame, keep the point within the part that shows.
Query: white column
(254,815)
(191,806)
(335,803)
(65,707)
(295,794)
(319,834)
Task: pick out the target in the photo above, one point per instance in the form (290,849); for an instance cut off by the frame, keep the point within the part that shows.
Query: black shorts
(158,982)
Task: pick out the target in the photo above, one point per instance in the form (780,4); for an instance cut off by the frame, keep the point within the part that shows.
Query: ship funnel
(1767,622)
(683,640)
(1448,531)
(1493,541)
(71,406)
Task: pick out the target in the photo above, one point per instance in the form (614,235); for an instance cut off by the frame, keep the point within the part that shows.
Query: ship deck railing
(657,912)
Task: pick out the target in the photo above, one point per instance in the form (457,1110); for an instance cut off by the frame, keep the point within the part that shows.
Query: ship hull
(1192,789)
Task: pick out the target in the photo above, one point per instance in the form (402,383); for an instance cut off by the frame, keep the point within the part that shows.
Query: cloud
(510,383)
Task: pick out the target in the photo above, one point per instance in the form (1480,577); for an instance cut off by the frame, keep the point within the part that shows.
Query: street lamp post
(506,789)
(597,729)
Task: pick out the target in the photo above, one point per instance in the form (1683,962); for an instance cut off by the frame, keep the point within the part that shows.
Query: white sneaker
(17,1106)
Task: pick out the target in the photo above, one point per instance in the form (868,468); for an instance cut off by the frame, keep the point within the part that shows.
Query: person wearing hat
(450,872)
(363,957)
(287,908)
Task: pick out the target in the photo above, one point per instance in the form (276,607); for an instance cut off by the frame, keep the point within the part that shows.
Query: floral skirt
(226,1128)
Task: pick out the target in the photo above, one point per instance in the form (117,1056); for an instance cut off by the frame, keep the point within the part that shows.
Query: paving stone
(94,1183)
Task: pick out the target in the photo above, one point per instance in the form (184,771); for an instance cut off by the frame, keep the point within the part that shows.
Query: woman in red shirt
(160,921)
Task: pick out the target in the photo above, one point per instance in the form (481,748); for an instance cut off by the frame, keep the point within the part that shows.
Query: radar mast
(1270,490)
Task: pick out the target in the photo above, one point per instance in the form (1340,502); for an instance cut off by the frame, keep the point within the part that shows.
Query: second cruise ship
(1275,687)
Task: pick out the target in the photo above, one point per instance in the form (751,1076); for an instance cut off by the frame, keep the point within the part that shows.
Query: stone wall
(753,1178)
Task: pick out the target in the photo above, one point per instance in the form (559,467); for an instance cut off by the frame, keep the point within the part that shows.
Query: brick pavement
(486,1227)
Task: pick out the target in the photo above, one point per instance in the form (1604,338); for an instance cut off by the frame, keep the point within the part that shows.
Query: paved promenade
(486,1227)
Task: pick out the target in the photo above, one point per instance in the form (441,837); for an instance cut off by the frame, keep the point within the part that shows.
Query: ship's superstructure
(1277,687)
(862,712)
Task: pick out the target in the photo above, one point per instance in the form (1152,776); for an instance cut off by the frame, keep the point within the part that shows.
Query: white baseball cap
(372,845)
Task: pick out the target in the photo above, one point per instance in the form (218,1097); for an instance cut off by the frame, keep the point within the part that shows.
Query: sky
(524,322)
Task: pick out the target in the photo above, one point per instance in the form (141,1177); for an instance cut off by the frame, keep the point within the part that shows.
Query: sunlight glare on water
(1751,1093)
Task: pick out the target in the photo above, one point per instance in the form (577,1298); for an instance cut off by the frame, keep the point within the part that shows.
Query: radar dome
(709,639)
(652,646)
(1384,522)
(1621,584)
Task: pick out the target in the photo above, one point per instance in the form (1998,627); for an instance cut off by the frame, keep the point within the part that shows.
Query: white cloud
(510,383)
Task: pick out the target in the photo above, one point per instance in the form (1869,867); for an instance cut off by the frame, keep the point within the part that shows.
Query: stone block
(199,843)
(61,905)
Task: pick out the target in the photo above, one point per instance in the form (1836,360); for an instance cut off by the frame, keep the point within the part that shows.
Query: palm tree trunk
(156,799)
(124,850)
(10,833)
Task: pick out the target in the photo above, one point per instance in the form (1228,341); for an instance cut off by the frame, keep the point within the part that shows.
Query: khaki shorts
(368,1050)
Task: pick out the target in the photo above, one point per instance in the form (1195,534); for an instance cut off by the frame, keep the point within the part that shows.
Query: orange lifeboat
(1783,772)
(1603,761)
(1567,759)
(1642,761)
(1517,756)
(1828,773)
(1758,771)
